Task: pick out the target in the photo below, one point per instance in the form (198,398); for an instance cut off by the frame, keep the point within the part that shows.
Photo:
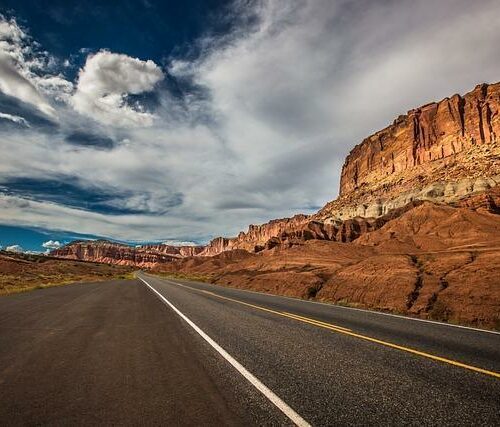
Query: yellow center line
(280,313)
(316,322)
(349,332)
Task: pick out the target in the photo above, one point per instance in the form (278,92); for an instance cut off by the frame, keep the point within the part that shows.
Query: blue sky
(182,121)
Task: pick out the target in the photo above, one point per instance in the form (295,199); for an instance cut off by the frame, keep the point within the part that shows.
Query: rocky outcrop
(177,251)
(107,252)
(257,236)
(488,200)
(432,132)
(219,245)
(451,192)
(441,151)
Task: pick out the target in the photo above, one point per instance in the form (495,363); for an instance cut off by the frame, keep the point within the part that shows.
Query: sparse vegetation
(22,272)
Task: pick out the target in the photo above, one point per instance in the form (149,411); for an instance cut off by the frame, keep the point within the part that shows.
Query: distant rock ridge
(441,152)
(176,251)
(257,235)
(108,252)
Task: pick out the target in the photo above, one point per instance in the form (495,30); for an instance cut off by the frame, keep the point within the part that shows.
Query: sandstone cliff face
(365,205)
(432,132)
(441,152)
(112,253)
(257,236)
(177,251)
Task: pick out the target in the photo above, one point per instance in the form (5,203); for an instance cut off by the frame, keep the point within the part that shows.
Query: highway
(155,351)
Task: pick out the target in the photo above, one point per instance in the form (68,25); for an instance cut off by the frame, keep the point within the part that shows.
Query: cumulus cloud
(16,119)
(106,80)
(51,244)
(55,86)
(14,248)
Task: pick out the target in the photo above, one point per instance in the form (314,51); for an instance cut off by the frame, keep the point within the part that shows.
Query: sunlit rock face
(107,252)
(441,151)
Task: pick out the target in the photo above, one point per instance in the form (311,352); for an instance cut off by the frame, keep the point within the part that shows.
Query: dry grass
(22,273)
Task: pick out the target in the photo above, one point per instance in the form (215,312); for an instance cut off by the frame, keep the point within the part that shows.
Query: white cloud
(19,62)
(14,248)
(52,244)
(13,83)
(105,81)
(55,86)
(16,119)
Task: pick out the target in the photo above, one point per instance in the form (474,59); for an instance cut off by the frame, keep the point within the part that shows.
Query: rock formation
(176,251)
(432,132)
(442,151)
(104,251)
(257,235)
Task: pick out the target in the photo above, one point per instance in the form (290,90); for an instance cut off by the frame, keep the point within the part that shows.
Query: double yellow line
(279,313)
(346,331)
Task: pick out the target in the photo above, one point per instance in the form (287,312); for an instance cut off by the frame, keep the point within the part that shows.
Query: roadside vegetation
(25,272)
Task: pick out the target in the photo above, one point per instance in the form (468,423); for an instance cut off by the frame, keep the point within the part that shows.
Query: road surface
(153,351)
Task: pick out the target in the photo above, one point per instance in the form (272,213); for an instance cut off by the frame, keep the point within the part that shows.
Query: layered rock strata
(107,252)
(442,151)
(435,131)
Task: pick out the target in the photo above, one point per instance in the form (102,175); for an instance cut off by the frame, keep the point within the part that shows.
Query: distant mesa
(108,252)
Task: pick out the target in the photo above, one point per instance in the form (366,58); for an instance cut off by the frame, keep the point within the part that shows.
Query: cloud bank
(257,128)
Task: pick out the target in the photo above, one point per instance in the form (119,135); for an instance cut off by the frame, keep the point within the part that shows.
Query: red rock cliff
(256,236)
(432,132)
(114,253)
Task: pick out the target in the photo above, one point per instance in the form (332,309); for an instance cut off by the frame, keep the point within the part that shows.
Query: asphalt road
(163,352)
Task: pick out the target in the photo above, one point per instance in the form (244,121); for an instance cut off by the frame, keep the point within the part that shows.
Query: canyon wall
(176,251)
(257,235)
(107,252)
(442,151)
(432,132)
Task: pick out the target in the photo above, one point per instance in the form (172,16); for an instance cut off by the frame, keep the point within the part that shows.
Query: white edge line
(282,406)
(333,305)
